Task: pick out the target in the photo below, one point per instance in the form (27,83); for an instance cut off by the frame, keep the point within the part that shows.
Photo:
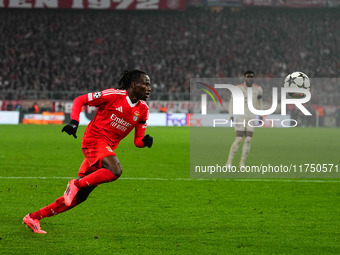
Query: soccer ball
(297,80)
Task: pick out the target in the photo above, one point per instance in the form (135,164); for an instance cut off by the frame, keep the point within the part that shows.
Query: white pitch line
(186,179)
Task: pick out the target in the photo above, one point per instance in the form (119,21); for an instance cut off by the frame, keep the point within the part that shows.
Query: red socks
(56,207)
(101,175)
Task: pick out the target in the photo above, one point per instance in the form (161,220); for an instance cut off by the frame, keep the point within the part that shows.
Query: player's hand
(71,128)
(148,141)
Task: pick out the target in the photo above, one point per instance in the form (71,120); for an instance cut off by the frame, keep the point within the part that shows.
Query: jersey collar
(130,103)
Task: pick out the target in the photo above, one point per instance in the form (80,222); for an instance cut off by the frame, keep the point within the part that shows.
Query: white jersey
(257,101)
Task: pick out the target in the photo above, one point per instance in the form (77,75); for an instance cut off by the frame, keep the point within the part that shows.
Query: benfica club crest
(135,117)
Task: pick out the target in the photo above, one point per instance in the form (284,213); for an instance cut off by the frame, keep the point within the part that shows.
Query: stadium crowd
(44,50)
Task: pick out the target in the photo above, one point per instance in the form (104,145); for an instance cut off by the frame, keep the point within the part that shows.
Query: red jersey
(115,118)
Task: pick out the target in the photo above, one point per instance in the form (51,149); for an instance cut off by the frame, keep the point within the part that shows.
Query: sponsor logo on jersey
(135,117)
(119,123)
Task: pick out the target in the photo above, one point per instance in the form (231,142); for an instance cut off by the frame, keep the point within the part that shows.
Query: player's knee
(238,139)
(248,139)
(116,169)
(113,165)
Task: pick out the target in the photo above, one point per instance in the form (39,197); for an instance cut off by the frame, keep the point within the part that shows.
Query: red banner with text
(96,4)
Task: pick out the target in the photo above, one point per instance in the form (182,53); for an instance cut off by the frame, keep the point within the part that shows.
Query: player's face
(249,78)
(142,88)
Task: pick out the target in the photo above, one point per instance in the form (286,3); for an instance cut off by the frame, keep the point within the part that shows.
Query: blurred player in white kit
(242,127)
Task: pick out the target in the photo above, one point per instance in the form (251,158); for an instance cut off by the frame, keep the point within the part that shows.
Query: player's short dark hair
(127,77)
(249,72)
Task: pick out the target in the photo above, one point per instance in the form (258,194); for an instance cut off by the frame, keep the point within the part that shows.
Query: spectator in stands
(337,116)
(9,106)
(18,107)
(35,107)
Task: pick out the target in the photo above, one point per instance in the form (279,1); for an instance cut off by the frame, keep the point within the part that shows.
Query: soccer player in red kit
(119,111)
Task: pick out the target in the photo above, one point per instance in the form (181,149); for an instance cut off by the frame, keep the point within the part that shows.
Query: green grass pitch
(155,208)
